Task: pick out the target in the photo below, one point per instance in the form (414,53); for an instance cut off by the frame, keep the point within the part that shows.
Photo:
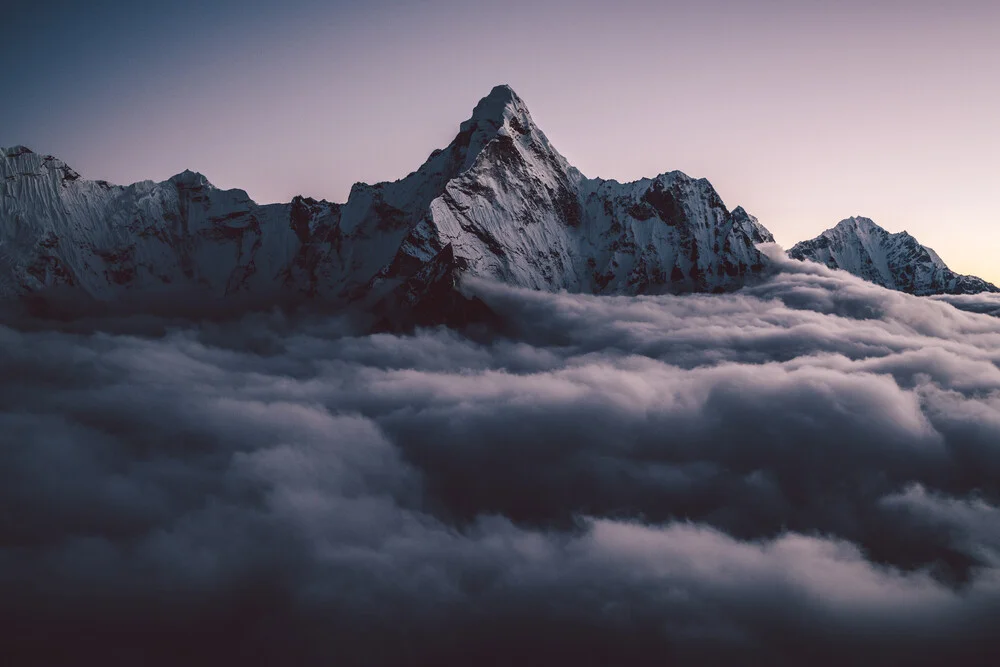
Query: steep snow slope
(896,261)
(500,196)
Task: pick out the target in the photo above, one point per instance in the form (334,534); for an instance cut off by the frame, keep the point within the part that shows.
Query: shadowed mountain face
(507,203)
(896,261)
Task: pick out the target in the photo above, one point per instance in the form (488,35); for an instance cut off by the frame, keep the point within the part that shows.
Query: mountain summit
(497,109)
(896,261)
(498,202)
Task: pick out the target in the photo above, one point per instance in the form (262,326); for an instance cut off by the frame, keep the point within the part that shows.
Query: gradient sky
(804,112)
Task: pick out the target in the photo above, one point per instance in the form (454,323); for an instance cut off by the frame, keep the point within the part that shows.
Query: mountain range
(499,202)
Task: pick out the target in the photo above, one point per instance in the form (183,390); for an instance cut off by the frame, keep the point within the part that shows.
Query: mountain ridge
(500,195)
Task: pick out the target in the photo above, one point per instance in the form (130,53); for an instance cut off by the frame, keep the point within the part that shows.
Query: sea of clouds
(806,472)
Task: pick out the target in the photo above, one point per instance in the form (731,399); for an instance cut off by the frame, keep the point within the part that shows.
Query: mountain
(498,202)
(896,261)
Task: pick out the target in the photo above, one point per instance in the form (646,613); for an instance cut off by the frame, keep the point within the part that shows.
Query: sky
(802,112)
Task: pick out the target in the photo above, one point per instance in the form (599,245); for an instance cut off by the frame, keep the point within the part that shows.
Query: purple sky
(804,112)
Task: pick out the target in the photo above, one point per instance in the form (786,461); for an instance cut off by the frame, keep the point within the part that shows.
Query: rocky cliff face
(504,201)
(896,261)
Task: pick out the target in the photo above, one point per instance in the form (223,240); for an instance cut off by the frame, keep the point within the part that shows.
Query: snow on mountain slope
(63,236)
(499,195)
(521,214)
(896,261)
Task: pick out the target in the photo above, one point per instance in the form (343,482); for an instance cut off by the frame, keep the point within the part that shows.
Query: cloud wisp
(804,471)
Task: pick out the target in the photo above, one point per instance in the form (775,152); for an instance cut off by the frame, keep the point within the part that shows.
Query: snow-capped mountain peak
(502,117)
(897,261)
(497,108)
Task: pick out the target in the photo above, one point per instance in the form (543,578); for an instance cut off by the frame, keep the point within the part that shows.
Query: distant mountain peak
(897,261)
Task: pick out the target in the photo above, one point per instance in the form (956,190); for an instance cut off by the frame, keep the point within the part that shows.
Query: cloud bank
(804,472)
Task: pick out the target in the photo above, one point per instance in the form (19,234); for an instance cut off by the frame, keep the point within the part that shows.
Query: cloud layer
(805,471)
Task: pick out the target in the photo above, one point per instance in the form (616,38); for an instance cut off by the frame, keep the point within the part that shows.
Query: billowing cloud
(803,472)
(986,302)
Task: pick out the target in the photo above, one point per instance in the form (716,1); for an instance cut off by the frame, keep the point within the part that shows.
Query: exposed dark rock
(431,298)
